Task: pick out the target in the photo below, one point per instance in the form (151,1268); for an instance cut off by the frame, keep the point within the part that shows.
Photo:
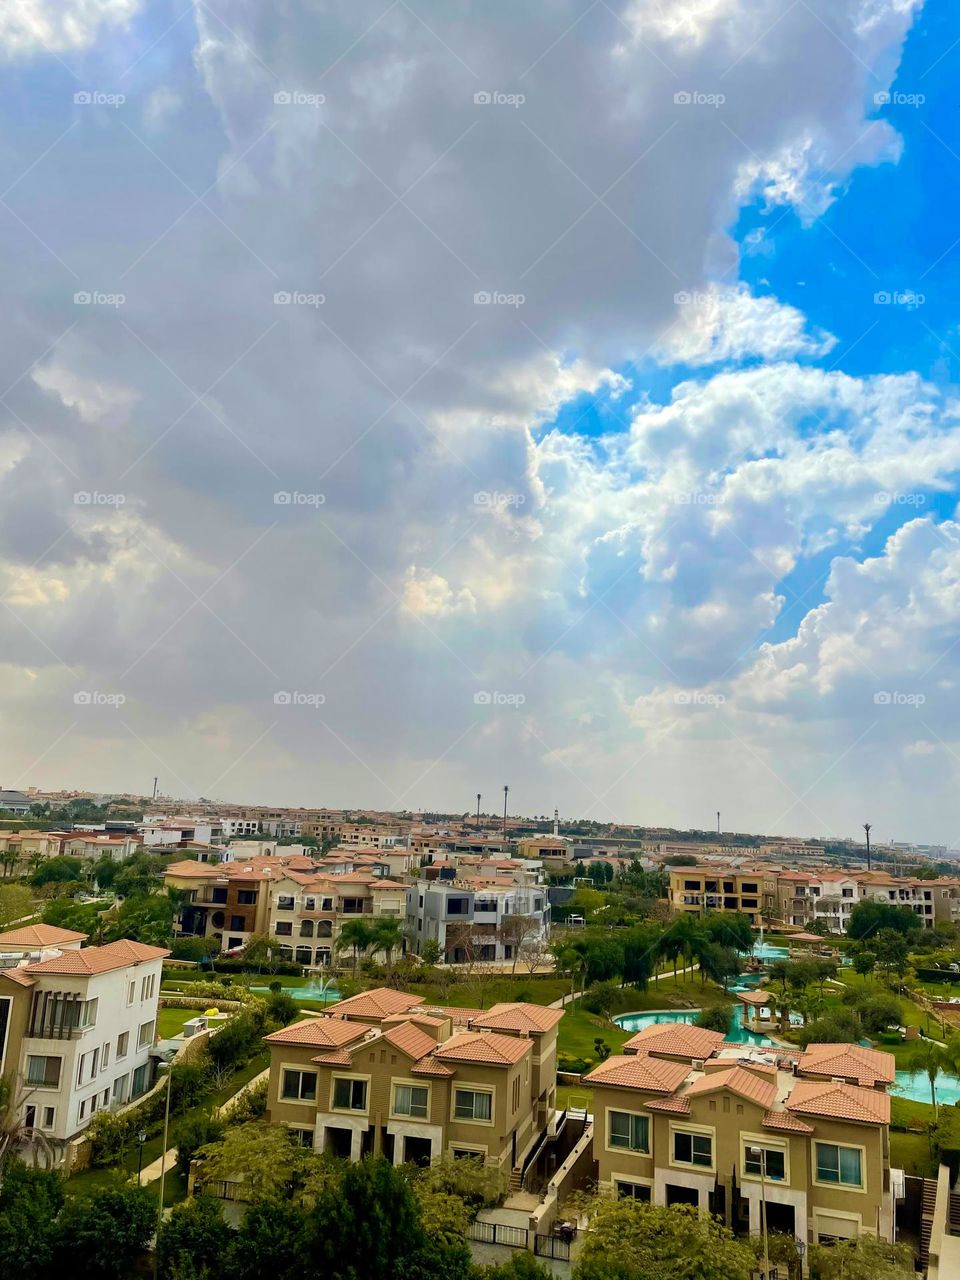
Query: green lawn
(911,1153)
(170,1022)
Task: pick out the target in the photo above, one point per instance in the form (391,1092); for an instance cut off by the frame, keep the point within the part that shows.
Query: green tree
(870,916)
(930,1058)
(387,937)
(144,917)
(865,1258)
(838,1027)
(15,903)
(140,874)
(30,1200)
(628,1240)
(263,1157)
(879,1012)
(54,870)
(716,1018)
(430,951)
(268,1244)
(103,1234)
(355,935)
(194,1235)
(190,1134)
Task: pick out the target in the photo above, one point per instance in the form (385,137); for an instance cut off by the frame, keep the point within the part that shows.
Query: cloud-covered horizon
(387,416)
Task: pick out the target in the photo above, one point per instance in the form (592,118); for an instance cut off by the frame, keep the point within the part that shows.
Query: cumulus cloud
(29,27)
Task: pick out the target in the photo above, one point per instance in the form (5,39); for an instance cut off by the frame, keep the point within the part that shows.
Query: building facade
(482,919)
(77,1025)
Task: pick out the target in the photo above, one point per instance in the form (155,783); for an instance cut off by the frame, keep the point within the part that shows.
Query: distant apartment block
(308,910)
(683,1118)
(77,1025)
(698,890)
(386,1074)
(479,919)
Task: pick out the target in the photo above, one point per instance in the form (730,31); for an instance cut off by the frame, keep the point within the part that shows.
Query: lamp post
(761,1152)
(141,1139)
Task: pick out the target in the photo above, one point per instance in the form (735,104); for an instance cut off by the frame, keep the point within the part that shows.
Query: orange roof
(486,1047)
(39,935)
(867,1066)
(676,1040)
(840,1102)
(639,1072)
(782,1120)
(411,1040)
(519,1017)
(335,1058)
(19,976)
(430,1067)
(739,1081)
(676,1104)
(92,960)
(378,1003)
(323,1032)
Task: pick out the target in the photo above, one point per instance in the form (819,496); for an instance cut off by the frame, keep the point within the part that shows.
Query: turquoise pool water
(736,1034)
(916,1086)
(767,951)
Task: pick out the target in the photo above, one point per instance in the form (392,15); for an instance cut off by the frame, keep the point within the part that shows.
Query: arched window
(306,928)
(303,955)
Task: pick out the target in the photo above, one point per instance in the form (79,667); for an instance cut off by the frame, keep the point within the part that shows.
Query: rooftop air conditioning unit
(698,1064)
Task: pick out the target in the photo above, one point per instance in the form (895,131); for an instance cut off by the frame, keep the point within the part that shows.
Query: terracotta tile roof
(484,1046)
(673,1105)
(411,1040)
(866,1066)
(92,960)
(336,1058)
(519,1017)
(759,998)
(430,1067)
(324,1032)
(20,976)
(39,935)
(783,1121)
(840,1102)
(459,1017)
(739,1081)
(640,1071)
(416,1017)
(378,1003)
(677,1040)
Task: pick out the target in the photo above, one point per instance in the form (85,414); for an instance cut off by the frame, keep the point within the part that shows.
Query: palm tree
(931,1058)
(16,1135)
(387,936)
(358,935)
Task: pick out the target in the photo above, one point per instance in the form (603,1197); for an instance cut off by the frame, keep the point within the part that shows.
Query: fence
(498,1233)
(557,1247)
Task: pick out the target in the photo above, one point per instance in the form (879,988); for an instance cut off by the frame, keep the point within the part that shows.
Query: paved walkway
(153,1171)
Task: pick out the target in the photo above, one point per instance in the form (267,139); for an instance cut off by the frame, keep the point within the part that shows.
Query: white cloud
(720,324)
(94,400)
(30,27)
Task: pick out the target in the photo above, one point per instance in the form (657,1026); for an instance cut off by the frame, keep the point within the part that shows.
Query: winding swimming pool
(736,1033)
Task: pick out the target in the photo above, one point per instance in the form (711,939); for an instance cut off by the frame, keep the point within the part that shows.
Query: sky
(400,400)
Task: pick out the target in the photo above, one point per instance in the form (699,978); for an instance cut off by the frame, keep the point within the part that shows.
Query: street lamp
(141,1139)
(761,1152)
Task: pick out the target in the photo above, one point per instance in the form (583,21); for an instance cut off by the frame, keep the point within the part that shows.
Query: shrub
(715,1019)
(282,1008)
(252,1104)
(190,1134)
(478,1185)
(234,1042)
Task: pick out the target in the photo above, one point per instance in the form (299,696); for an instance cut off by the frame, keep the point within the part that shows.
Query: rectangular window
(284,928)
(43,1073)
(5,1006)
(123,1041)
(633,1191)
(410,1100)
(139,1080)
(105,1057)
(693,1148)
(246,897)
(299,1086)
(285,903)
(350,1095)
(131,991)
(238,923)
(145,1036)
(49,1118)
(630,1132)
(470,1105)
(775,1166)
(90,1012)
(457,906)
(839,1164)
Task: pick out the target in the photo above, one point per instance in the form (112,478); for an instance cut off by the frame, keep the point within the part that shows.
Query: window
(633,1191)
(310,904)
(139,1080)
(90,1012)
(299,1086)
(457,906)
(43,1073)
(105,1057)
(410,1100)
(145,1036)
(5,1005)
(470,1105)
(123,1042)
(284,929)
(285,902)
(350,1095)
(629,1131)
(352,906)
(49,1118)
(131,992)
(238,923)
(302,1137)
(306,928)
(82,1111)
(753,1163)
(246,897)
(841,1165)
(693,1148)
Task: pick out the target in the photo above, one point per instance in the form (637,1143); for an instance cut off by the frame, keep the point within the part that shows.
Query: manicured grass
(579,1029)
(911,1153)
(473,993)
(170,1021)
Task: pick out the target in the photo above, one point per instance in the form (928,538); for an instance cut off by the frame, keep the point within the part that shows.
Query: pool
(323,992)
(915,1085)
(736,1034)
(767,951)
